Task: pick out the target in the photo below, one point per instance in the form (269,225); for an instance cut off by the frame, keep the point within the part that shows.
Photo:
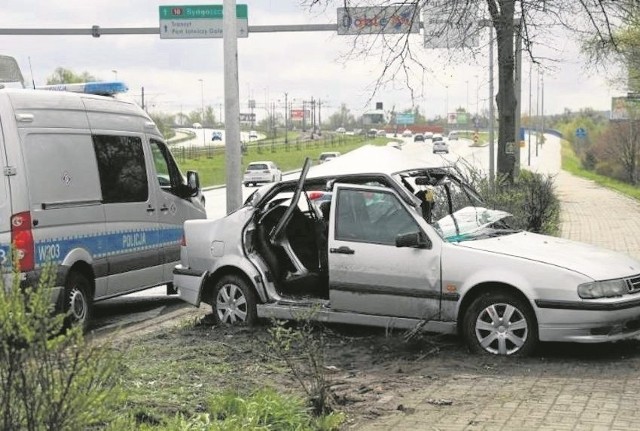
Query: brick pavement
(568,392)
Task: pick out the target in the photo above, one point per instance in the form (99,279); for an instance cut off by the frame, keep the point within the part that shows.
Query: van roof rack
(101,88)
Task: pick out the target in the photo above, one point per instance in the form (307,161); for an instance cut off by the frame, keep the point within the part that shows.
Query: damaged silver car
(399,244)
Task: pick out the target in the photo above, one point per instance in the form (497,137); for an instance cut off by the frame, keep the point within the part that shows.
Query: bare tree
(531,20)
(621,144)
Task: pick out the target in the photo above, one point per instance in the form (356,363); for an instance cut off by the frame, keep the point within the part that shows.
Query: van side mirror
(193,182)
(413,239)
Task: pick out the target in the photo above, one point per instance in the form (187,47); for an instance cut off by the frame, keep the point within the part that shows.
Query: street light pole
(286,122)
(202,101)
(530,117)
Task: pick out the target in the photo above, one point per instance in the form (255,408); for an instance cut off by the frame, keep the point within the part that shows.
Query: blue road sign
(581,132)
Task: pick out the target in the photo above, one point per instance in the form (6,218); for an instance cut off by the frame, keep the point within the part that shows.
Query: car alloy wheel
(234,301)
(500,323)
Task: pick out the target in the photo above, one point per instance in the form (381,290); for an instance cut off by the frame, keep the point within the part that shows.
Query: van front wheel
(78,303)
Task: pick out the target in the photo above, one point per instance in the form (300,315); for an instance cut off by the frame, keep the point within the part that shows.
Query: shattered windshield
(452,207)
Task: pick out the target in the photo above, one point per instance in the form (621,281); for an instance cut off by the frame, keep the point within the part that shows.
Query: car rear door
(367,272)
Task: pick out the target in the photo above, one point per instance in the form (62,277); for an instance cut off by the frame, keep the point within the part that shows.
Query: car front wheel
(234,301)
(500,323)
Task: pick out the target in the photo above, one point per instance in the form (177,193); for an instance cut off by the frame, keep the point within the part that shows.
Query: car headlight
(602,289)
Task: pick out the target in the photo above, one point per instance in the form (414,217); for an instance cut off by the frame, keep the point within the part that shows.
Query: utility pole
(530,118)
(204,143)
(541,106)
(319,117)
(286,122)
(518,94)
(304,115)
(492,119)
(233,155)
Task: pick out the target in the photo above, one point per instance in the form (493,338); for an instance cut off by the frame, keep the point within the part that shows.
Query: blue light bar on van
(103,88)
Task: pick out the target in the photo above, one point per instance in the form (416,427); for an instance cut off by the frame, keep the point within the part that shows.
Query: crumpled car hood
(592,261)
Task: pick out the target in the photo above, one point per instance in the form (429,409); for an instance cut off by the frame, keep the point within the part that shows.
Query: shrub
(50,378)
(530,199)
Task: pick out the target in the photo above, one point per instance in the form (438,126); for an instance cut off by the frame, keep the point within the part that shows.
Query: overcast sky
(304,65)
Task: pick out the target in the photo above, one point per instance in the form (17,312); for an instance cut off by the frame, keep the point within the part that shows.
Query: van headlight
(602,289)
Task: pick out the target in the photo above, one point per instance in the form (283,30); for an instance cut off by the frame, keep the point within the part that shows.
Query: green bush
(530,199)
(50,378)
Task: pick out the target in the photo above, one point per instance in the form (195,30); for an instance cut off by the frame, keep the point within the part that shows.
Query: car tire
(78,300)
(246,184)
(234,301)
(485,334)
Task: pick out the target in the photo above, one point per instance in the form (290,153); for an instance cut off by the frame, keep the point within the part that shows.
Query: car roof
(261,162)
(371,159)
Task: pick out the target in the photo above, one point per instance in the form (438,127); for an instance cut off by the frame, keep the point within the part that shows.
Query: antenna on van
(33,82)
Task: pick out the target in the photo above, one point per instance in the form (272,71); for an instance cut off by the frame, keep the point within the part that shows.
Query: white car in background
(253,134)
(440,147)
(261,172)
(328,155)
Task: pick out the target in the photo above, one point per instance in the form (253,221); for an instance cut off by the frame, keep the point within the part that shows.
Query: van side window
(123,174)
(169,176)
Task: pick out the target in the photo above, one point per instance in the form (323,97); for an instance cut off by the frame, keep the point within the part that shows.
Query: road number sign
(195,22)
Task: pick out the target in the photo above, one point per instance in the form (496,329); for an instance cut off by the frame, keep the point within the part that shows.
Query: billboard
(298,114)
(623,108)
(393,19)
(450,24)
(405,119)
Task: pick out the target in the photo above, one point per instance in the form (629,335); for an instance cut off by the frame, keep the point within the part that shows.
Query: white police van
(89,185)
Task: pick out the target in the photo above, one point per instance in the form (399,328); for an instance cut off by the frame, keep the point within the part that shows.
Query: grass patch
(212,169)
(198,380)
(571,163)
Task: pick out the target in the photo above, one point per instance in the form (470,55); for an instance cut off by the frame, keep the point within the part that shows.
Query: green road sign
(195,22)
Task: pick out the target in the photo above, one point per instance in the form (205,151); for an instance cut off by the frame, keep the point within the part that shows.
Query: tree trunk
(505,99)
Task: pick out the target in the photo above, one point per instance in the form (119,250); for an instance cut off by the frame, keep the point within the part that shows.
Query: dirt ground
(371,371)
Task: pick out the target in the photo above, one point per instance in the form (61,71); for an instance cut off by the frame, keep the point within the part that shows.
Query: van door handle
(342,250)
(164,208)
(150,209)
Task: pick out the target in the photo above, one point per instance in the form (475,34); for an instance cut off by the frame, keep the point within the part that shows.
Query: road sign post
(196,22)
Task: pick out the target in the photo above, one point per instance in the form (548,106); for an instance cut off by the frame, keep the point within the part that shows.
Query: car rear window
(257,167)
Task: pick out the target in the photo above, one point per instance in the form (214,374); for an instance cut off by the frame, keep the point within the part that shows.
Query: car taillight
(22,240)
(315,195)
(183,240)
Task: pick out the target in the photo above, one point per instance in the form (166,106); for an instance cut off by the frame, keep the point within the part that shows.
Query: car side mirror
(193,182)
(413,239)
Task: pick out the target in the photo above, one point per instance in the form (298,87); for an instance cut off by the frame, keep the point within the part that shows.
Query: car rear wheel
(78,301)
(234,301)
(500,323)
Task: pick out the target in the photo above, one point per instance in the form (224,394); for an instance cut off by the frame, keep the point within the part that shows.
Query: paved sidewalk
(563,392)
